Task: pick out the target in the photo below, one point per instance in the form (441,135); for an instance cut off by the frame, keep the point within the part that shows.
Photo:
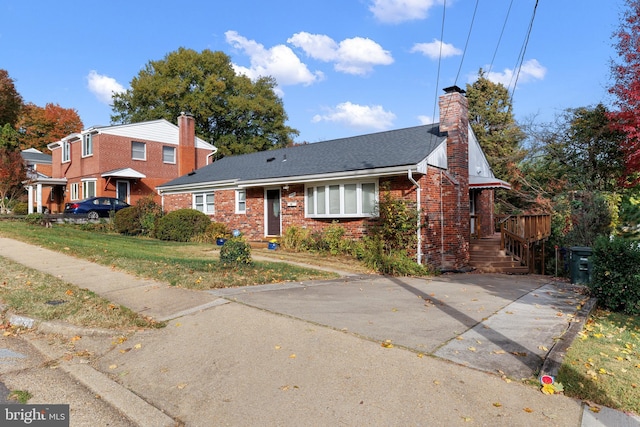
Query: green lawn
(188,265)
(603,363)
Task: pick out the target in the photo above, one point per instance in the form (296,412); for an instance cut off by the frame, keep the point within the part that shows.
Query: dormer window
(66,151)
(87,145)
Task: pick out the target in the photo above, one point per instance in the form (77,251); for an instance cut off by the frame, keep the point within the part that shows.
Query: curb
(554,358)
(136,409)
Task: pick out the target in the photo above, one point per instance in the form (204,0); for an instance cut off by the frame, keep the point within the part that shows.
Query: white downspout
(419,252)
(213,152)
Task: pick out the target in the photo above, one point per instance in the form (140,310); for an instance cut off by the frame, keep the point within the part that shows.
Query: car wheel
(92,215)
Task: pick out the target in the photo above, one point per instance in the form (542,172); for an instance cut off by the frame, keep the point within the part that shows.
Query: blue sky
(343,67)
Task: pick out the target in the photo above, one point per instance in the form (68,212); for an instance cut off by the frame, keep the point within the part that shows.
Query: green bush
(20,208)
(127,221)
(296,239)
(615,276)
(235,252)
(149,212)
(181,225)
(34,218)
(377,257)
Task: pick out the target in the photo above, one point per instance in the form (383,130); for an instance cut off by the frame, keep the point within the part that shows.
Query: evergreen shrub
(235,252)
(615,276)
(181,225)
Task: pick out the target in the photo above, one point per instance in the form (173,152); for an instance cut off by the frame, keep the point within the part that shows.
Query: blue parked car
(95,207)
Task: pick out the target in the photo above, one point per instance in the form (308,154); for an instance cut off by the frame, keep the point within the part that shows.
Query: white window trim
(238,210)
(144,158)
(174,155)
(74,189)
(66,152)
(85,184)
(204,202)
(358,214)
(87,142)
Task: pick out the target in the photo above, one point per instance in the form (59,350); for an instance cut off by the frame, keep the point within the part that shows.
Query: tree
(232,112)
(12,170)
(10,100)
(626,89)
(492,121)
(39,126)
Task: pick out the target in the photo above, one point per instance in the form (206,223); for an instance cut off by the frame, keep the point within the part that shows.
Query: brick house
(123,161)
(440,168)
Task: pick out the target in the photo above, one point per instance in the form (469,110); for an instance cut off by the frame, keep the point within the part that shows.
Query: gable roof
(355,156)
(32,155)
(159,130)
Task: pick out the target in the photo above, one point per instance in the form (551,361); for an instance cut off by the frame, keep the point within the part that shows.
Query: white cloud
(103,87)
(396,11)
(425,120)
(436,49)
(358,116)
(530,71)
(356,55)
(279,62)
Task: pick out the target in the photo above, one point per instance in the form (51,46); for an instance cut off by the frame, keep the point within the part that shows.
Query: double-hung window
(168,154)
(87,145)
(203,202)
(66,151)
(241,201)
(138,150)
(88,188)
(349,200)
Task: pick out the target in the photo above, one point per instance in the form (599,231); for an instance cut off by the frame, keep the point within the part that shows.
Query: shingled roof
(402,147)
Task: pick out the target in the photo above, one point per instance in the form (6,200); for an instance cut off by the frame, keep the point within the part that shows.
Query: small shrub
(235,252)
(333,237)
(296,239)
(148,212)
(615,278)
(34,218)
(182,225)
(395,263)
(214,231)
(20,208)
(127,221)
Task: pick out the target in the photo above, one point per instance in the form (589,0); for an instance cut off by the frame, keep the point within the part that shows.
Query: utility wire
(466,43)
(504,25)
(522,53)
(435,100)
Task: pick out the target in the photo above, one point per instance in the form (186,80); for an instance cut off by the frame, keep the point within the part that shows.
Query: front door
(122,190)
(273,212)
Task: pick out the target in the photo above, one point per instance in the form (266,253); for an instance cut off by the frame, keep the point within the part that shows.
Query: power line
(473,18)
(522,52)
(504,25)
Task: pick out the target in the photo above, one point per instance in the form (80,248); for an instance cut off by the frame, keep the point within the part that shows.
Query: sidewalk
(310,353)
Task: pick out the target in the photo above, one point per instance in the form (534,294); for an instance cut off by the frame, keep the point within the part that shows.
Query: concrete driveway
(495,323)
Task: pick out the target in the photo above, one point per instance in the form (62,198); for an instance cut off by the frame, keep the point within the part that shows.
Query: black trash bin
(580,264)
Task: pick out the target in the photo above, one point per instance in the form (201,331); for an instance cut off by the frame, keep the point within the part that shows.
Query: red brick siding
(114,152)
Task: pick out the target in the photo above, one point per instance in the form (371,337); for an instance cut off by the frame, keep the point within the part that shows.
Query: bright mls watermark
(34,415)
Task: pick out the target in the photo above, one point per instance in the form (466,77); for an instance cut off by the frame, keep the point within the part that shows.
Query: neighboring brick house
(38,166)
(440,168)
(123,161)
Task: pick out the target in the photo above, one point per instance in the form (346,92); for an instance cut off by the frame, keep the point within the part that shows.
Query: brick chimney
(454,121)
(186,144)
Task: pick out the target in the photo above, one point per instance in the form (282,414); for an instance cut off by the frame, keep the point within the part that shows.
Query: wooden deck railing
(521,233)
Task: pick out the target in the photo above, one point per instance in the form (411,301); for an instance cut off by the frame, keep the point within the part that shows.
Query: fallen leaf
(277,347)
(436,382)
(420,355)
(467,419)
(528,410)
(471,349)
(137,346)
(498,352)
(181,386)
(292,356)
(548,389)
(76,338)
(178,324)
(543,348)
(69,292)
(594,409)
(497,404)
(113,366)
(387,344)
(519,353)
